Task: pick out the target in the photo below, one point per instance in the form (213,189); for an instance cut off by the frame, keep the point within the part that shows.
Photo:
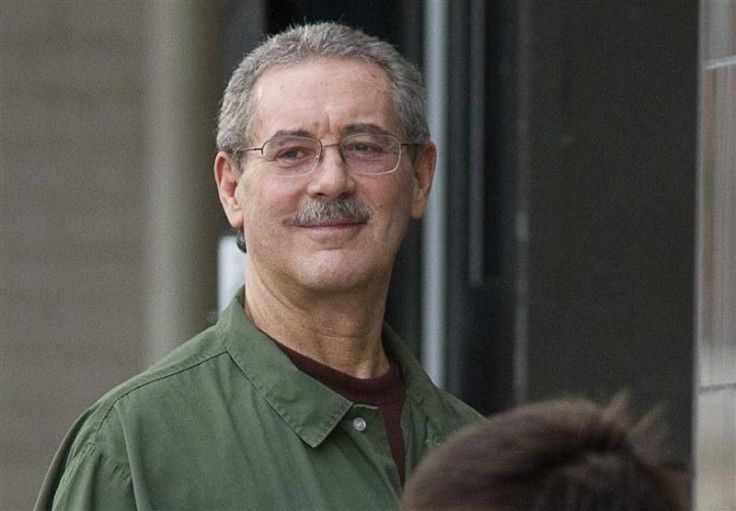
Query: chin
(345,277)
(334,283)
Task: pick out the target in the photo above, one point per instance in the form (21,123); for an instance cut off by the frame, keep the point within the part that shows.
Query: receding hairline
(303,43)
(378,72)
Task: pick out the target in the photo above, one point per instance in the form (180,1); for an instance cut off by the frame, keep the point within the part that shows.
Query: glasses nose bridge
(322,147)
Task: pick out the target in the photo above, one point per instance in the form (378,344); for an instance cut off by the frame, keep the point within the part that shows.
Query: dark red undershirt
(386,392)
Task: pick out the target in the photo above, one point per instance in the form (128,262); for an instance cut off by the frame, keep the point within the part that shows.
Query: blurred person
(564,455)
(300,397)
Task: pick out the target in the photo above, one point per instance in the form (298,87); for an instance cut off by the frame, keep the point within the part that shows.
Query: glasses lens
(371,153)
(292,155)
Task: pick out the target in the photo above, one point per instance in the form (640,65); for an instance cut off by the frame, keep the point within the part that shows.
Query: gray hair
(312,41)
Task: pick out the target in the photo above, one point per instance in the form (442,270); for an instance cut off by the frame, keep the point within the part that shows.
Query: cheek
(395,206)
(401,198)
(267,204)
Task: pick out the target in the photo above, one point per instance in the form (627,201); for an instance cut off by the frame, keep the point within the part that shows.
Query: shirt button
(359,424)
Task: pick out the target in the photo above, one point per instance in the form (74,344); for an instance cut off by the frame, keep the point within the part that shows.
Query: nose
(331,178)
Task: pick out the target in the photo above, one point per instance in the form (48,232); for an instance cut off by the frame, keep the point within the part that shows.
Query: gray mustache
(317,211)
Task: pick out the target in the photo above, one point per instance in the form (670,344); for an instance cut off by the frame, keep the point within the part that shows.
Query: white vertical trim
(229,270)
(434,292)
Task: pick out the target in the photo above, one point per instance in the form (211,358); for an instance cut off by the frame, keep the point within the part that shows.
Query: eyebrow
(350,129)
(293,133)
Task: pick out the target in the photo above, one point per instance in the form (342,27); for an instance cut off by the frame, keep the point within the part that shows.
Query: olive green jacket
(227,422)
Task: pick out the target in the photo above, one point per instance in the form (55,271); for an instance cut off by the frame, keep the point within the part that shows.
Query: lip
(333,232)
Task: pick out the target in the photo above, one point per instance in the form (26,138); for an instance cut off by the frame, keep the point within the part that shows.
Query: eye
(291,150)
(292,153)
(362,147)
(366,146)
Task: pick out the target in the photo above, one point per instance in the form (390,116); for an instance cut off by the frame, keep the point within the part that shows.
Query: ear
(423,174)
(227,177)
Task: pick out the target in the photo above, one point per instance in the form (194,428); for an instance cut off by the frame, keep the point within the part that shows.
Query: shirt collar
(311,409)
(308,407)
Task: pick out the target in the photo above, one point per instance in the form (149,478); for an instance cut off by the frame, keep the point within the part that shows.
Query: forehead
(323,96)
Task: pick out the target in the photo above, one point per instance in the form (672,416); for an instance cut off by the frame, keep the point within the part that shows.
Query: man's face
(326,99)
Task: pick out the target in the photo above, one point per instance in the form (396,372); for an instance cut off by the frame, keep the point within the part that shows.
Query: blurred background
(581,237)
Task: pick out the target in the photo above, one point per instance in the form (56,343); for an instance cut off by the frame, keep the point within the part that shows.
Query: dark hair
(560,455)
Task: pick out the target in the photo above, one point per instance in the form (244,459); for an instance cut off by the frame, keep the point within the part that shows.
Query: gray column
(434,293)
(180,255)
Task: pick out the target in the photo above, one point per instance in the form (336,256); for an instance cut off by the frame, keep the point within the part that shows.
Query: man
(566,455)
(300,397)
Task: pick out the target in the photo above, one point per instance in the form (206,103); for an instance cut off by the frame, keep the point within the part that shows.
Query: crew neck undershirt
(386,392)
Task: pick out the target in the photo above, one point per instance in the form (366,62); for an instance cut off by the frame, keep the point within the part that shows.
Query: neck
(340,330)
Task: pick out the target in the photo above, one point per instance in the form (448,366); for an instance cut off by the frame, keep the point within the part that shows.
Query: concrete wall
(71,218)
(106,142)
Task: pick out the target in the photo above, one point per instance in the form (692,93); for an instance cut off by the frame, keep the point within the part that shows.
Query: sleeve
(90,481)
(82,477)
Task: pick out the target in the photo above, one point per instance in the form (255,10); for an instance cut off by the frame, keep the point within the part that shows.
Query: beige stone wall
(108,211)
(71,221)
(715,442)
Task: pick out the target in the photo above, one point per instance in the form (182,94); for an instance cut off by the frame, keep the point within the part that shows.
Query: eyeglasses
(363,153)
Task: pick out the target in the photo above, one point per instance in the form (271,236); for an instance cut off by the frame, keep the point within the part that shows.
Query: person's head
(566,455)
(324,156)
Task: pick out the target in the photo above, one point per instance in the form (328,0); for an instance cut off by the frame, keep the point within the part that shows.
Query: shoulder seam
(155,378)
(84,451)
(91,445)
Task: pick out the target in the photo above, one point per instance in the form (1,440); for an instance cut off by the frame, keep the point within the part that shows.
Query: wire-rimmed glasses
(363,153)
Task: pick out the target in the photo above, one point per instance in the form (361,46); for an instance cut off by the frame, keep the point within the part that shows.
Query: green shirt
(227,422)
